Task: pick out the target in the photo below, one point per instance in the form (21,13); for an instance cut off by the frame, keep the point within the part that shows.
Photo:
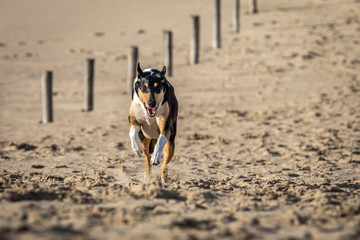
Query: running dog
(152,118)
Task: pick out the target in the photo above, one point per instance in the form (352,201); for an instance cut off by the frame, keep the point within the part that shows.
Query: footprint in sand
(61,166)
(141,31)
(120,146)
(24,146)
(258,24)
(310,55)
(9,57)
(38,166)
(99,34)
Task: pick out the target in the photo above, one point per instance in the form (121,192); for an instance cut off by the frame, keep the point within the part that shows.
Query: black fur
(150,77)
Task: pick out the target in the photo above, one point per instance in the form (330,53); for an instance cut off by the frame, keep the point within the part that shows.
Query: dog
(153,118)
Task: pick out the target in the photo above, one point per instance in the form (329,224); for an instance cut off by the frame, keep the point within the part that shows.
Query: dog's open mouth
(151,111)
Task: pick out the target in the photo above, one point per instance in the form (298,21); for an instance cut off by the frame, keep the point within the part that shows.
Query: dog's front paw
(136,147)
(155,158)
(135,141)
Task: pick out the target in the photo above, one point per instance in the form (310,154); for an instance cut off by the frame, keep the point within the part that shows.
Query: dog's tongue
(151,111)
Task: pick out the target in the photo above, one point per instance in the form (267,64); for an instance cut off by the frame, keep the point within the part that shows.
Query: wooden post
(168,52)
(195,41)
(89,85)
(237,16)
(47,104)
(217,25)
(253,6)
(133,59)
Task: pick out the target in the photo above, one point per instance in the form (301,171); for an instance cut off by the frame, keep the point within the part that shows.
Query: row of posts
(133,58)
(46,90)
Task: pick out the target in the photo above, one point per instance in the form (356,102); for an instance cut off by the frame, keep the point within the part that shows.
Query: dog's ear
(138,78)
(139,70)
(162,74)
(163,71)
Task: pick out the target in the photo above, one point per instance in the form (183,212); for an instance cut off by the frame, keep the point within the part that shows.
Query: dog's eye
(158,89)
(144,89)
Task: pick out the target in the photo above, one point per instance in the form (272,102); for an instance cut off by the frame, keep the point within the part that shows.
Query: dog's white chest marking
(149,125)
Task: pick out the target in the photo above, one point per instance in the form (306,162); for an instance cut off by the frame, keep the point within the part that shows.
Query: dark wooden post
(47,103)
(133,59)
(237,16)
(253,6)
(89,85)
(168,52)
(217,25)
(195,41)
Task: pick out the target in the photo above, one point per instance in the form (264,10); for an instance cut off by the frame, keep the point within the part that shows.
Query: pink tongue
(151,111)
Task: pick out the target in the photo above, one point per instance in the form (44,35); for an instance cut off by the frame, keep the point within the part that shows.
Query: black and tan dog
(153,115)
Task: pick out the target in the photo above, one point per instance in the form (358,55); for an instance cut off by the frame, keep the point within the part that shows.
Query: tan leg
(168,154)
(145,147)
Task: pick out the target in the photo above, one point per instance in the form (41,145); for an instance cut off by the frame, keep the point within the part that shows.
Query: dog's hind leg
(168,154)
(145,147)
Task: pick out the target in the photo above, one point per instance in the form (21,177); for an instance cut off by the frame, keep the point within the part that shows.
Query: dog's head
(150,87)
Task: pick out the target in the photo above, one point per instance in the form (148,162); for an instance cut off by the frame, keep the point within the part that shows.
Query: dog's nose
(152,103)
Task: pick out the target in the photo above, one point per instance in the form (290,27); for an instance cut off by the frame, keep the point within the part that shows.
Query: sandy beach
(268,143)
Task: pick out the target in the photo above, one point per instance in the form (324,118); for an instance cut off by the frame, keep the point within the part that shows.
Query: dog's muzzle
(151,111)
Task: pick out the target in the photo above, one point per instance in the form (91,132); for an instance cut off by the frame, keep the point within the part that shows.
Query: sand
(268,143)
